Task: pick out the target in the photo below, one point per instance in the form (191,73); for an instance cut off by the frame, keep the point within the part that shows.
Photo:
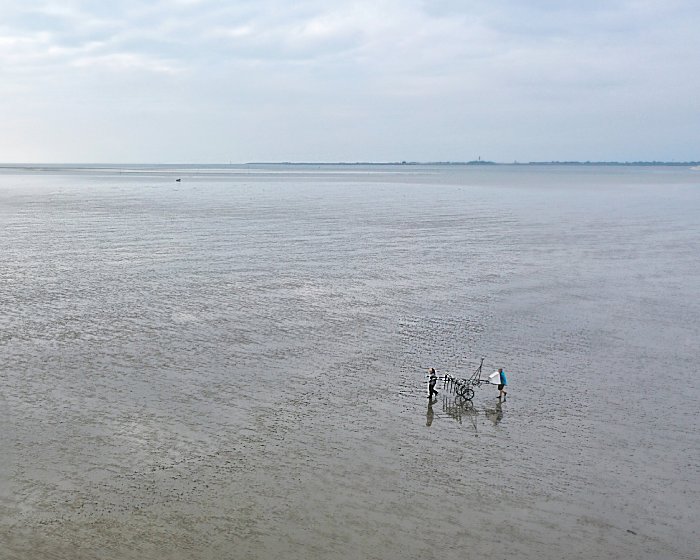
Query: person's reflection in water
(496,414)
(431,414)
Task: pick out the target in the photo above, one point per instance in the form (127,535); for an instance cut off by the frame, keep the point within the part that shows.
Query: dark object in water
(178,180)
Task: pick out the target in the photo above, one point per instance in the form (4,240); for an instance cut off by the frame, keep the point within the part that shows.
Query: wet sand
(233,367)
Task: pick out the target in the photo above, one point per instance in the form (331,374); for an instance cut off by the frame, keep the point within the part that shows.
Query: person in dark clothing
(431,383)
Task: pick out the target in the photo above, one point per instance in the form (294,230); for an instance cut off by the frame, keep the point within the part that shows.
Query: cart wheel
(464,390)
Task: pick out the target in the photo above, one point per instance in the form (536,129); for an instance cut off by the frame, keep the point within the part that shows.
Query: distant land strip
(480,162)
(484,162)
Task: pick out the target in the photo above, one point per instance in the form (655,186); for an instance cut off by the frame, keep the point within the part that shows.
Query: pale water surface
(232,366)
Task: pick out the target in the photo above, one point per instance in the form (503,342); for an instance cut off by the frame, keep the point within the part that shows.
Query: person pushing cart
(502,384)
(431,383)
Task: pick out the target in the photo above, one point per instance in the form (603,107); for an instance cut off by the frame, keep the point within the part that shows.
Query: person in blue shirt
(503,383)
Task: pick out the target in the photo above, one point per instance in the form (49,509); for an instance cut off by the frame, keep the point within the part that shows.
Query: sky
(208,81)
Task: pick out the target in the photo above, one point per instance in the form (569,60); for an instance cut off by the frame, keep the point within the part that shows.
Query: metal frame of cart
(464,388)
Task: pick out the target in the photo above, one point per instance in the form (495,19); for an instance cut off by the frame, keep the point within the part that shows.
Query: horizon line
(479,162)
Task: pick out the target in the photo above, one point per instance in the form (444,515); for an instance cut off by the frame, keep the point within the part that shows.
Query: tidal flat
(233,365)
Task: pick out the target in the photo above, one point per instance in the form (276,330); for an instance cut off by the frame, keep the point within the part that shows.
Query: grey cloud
(452,68)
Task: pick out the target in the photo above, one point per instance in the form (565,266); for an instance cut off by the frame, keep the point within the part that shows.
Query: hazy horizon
(11,164)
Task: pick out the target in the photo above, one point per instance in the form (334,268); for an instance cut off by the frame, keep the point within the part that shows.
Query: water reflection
(463,410)
(495,414)
(430,415)
(460,409)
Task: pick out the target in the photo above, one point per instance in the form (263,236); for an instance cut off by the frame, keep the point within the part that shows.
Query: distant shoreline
(476,163)
(488,163)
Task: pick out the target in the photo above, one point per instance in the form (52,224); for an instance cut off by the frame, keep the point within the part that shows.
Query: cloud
(455,67)
(124,62)
(382,37)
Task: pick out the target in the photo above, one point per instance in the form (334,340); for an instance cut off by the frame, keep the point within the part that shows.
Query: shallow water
(233,366)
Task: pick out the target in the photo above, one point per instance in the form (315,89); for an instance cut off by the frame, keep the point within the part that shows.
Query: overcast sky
(207,81)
